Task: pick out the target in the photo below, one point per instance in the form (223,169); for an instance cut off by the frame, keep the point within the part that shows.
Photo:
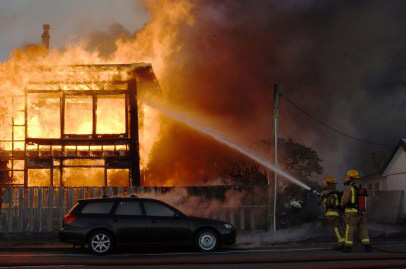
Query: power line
(332,128)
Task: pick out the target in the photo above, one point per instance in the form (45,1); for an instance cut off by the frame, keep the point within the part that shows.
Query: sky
(21,20)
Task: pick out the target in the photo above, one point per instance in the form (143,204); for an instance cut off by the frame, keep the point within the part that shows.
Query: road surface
(300,256)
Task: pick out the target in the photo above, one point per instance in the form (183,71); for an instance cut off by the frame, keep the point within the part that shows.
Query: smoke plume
(341,61)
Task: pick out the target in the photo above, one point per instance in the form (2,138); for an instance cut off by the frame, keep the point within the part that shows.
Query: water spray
(219,136)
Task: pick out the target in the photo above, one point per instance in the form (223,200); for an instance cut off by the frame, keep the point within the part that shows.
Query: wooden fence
(41,209)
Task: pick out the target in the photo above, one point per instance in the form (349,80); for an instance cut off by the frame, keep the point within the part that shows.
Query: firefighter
(331,200)
(354,212)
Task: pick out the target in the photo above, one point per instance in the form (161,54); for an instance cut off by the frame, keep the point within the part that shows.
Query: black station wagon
(103,223)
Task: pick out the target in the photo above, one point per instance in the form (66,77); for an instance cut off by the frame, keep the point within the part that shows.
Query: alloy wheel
(100,243)
(207,241)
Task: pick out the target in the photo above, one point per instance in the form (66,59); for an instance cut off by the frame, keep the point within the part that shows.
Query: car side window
(154,209)
(129,208)
(97,208)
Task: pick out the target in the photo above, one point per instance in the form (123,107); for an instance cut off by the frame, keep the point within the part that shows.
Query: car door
(129,222)
(165,224)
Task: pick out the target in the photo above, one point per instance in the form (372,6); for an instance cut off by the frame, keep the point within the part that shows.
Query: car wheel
(100,242)
(207,240)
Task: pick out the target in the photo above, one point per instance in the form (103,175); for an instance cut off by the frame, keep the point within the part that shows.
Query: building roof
(401,146)
(87,77)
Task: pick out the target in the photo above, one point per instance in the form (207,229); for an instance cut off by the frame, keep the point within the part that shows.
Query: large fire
(33,65)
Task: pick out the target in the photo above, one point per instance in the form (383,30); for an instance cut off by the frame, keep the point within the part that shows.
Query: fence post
(71,196)
(81,193)
(109,191)
(242,218)
(120,191)
(252,217)
(10,210)
(21,209)
(31,210)
(100,192)
(130,190)
(158,190)
(223,213)
(50,208)
(39,208)
(25,209)
(61,206)
(4,211)
(232,216)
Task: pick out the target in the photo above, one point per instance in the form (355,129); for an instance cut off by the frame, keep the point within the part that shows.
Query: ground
(298,255)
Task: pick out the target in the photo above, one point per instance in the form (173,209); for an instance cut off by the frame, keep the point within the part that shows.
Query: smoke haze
(343,62)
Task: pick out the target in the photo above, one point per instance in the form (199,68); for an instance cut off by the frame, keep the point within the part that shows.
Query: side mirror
(177,215)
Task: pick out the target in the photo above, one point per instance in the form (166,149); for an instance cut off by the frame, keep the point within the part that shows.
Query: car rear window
(97,208)
(129,208)
(155,209)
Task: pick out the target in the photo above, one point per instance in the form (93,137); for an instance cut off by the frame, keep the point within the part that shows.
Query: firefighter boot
(368,248)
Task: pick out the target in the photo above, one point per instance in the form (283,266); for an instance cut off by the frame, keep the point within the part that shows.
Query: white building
(395,170)
(395,179)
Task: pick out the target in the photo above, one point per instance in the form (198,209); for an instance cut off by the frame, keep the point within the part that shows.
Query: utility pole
(276,94)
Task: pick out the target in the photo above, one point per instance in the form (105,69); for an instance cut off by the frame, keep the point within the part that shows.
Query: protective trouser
(337,224)
(353,221)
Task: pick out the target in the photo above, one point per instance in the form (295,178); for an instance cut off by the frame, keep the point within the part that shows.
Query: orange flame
(35,64)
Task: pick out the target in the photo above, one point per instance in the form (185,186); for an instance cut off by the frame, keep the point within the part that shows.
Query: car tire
(207,240)
(100,242)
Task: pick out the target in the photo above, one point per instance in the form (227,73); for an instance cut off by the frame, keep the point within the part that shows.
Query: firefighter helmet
(330,179)
(353,174)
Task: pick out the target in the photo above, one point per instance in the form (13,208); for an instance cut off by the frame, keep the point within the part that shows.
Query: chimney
(45,35)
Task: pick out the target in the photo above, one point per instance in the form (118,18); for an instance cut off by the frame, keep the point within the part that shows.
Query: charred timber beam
(134,138)
(97,67)
(82,92)
(88,82)
(111,161)
(79,141)
(123,67)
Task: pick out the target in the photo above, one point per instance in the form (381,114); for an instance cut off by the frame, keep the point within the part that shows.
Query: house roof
(401,144)
(88,77)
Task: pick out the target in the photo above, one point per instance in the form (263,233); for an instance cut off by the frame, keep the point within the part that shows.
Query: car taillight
(68,219)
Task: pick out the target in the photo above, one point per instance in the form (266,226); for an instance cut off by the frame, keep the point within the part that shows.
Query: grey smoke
(341,61)
(287,235)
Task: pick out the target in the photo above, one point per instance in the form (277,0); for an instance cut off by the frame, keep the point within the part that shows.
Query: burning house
(75,126)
